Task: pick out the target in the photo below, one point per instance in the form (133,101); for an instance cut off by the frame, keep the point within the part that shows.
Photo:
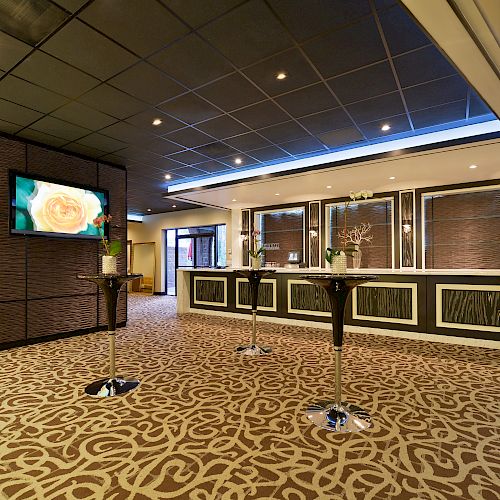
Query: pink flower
(256,232)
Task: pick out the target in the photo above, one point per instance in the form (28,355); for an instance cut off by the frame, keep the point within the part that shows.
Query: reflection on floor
(207,424)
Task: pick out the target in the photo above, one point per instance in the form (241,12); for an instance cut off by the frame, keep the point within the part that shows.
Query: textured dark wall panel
(384,302)
(245,229)
(209,291)
(309,298)
(13,321)
(471,307)
(314,232)
(61,315)
(407,254)
(265,297)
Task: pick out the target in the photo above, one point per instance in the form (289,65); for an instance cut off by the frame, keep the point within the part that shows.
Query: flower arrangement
(257,249)
(111,248)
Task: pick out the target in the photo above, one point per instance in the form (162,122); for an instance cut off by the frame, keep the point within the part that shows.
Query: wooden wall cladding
(40,295)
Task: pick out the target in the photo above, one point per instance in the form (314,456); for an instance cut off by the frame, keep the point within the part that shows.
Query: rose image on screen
(54,208)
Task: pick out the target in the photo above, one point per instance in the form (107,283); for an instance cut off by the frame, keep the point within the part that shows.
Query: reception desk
(459,307)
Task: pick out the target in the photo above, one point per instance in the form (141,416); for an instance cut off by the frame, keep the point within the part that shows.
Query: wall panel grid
(267,299)
(210,291)
(386,302)
(468,307)
(306,298)
(315,234)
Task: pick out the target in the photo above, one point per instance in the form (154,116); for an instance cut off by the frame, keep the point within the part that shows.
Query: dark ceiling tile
(84,150)
(139,155)
(284,132)
(77,113)
(190,108)
(20,115)
(144,121)
(71,5)
(401,32)
(196,13)
(115,158)
(318,16)
(188,157)
(374,130)
(245,142)
(439,115)
(247,34)
(299,72)
(9,128)
(41,137)
(86,49)
(422,66)
(29,95)
(48,72)
(261,115)
(376,108)
(12,51)
(341,137)
(189,137)
(269,153)
(30,21)
(222,127)
(212,166)
(166,165)
(477,107)
(160,146)
(191,61)
(353,86)
(308,100)
(384,4)
(303,146)
(147,83)
(246,161)
(112,101)
(161,173)
(126,133)
(143,26)
(355,46)
(102,142)
(436,93)
(59,128)
(189,172)
(216,150)
(327,120)
(231,92)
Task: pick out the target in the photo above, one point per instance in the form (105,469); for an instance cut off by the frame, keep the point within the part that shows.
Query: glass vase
(356,259)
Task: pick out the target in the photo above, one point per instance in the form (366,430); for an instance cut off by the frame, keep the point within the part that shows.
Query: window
(461,229)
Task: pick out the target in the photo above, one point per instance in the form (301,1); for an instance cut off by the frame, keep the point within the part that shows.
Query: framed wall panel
(267,300)
(315,234)
(386,302)
(407,230)
(306,298)
(210,291)
(245,236)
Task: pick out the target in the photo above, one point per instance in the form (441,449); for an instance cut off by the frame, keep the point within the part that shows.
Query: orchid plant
(257,249)
(111,248)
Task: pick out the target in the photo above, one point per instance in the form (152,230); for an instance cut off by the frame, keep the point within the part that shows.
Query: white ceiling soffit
(468,33)
(418,170)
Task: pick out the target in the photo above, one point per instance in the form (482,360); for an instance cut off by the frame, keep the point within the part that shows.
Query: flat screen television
(48,207)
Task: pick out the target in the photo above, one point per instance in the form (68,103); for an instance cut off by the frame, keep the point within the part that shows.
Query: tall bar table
(254,277)
(338,415)
(110,284)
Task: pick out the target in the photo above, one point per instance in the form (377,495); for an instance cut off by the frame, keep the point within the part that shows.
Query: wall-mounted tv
(41,206)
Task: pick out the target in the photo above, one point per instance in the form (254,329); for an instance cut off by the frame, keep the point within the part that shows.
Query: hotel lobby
(250,249)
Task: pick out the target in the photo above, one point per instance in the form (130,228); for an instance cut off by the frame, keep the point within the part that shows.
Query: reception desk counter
(459,307)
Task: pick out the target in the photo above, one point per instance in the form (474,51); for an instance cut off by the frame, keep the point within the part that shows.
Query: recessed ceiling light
(281,75)
(238,161)
(385,127)
(276,194)
(149,210)
(157,122)
(392,178)
(174,206)
(473,166)
(234,199)
(328,187)
(168,177)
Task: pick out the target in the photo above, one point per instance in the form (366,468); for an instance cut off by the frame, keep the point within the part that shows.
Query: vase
(339,263)
(356,258)
(256,262)
(109,264)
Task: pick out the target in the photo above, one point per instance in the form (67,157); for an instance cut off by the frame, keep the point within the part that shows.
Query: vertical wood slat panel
(245,230)
(407,237)
(314,234)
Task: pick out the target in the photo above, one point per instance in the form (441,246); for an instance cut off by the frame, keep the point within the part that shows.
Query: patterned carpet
(208,424)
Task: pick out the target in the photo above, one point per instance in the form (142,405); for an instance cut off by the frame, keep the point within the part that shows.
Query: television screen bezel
(13,174)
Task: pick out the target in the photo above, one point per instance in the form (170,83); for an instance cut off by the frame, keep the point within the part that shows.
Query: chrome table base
(108,387)
(349,418)
(253,350)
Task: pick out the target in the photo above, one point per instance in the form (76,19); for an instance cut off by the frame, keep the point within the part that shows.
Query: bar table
(254,277)
(110,284)
(338,415)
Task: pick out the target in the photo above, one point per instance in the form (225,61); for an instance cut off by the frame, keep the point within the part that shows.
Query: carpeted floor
(206,423)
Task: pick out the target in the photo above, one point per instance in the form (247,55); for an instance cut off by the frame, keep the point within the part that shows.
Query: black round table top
(101,276)
(254,272)
(351,280)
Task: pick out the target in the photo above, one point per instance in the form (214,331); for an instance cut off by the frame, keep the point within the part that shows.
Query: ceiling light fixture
(168,177)
(385,127)
(234,199)
(473,166)
(392,178)
(281,75)
(238,161)
(174,206)
(328,187)
(157,122)
(149,210)
(276,194)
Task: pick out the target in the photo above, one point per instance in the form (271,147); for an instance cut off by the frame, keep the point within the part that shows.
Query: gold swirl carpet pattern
(206,423)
